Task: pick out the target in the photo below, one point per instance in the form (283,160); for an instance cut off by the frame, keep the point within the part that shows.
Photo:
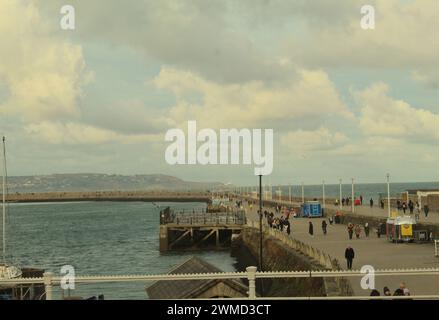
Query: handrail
(50,280)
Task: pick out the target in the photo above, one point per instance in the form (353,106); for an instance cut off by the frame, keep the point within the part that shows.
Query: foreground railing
(251,274)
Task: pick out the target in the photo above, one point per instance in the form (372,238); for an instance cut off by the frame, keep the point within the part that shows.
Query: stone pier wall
(283,253)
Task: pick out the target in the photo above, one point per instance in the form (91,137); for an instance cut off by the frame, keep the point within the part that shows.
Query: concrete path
(377,252)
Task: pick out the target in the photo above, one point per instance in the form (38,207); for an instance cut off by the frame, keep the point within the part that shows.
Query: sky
(342,101)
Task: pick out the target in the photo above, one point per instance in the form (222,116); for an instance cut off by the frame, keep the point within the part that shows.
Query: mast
(4,202)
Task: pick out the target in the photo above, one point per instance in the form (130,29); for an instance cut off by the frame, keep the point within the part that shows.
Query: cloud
(72,133)
(205,37)
(41,75)
(404,37)
(381,115)
(303,142)
(309,99)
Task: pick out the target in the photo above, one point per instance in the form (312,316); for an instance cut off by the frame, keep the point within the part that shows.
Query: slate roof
(184,289)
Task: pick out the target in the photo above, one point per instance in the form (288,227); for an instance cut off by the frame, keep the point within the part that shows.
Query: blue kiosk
(312,209)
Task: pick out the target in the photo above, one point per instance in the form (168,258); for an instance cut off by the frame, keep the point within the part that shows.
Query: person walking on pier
(418,211)
(426,210)
(288,226)
(350,230)
(357,231)
(349,255)
(311,229)
(366,229)
(404,207)
(324,226)
(371,203)
(411,206)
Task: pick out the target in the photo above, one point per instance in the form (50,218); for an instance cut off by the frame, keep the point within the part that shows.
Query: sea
(367,190)
(98,238)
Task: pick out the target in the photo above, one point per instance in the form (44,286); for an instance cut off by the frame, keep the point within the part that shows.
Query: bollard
(47,276)
(251,276)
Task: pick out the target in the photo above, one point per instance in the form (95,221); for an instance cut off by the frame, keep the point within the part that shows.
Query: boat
(7,271)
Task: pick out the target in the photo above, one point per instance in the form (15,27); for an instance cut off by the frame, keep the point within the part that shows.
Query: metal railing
(251,274)
(235,217)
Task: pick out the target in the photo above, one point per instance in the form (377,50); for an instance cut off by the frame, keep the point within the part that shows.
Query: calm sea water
(98,238)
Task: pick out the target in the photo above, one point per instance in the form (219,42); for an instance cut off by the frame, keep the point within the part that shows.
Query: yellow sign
(406,230)
(394,214)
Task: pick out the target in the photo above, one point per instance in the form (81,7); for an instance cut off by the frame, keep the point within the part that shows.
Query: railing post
(47,276)
(251,276)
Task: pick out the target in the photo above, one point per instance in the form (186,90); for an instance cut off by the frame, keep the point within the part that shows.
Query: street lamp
(303,193)
(339,200)
(260,231)
(388,195)
(353,196)
(323,185)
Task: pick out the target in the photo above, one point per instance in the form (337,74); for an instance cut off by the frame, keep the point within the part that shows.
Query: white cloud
(42,75)
(381,115)
(310,98)
(302,142)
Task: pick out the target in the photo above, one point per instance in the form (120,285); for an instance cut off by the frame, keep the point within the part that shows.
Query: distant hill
(101,182)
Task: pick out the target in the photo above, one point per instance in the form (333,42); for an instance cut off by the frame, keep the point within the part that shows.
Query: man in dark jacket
(324,226)
(349,255)
(311,229)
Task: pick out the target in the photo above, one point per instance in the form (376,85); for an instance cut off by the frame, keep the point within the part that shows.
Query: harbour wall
(147,196)
(283,253)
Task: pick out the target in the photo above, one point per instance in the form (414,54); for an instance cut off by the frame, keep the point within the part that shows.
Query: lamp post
(388,195)
(289,192)
(303,193)
(260,222)
(353,196)
(323,189)
(339,200)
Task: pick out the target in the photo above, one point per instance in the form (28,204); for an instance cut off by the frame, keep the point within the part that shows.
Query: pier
(147,196)
(376,252)
(197,229)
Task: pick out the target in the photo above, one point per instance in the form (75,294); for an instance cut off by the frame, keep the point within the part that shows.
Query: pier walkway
(374,251)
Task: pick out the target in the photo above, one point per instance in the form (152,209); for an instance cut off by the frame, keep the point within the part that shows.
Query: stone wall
(282,253)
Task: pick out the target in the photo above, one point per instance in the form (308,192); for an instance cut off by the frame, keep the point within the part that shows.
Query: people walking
(371,202)
(358,231)
(404,207)
(324,226)
(349,255)
(411,206)
(331,220)
(288,226)
(404,289)
(311,229)
(361,200)
(374,293)
(350,230)
(418,211)
(387,292)
(426,210)
(366,229)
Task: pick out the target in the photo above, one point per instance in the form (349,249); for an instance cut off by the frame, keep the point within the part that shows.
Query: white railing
(50,280)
